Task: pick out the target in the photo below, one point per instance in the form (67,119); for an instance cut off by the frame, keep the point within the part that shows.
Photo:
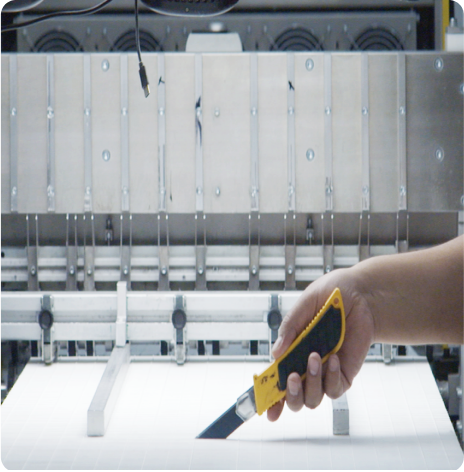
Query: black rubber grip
(321,339)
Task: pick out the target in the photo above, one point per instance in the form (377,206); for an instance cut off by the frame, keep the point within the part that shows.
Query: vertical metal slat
(162,132)
(125,189)
(87,133)
(328,131)
(13,133)
(291,131)
(50,133)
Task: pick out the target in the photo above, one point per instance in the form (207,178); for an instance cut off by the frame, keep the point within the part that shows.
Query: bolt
(289,270)
(13,111)
(310,155)
(124,111)
(164,270)
(89,271)
(291,110)
(217,112)
(33,270)
(200,270)
(87,112)
(161,111)
(438,64)
(105,65)
(365,111)
(106,155)
(218,191)
(72,270)
(254,270)
(440,154)
(402,110)
(254,111)
(327,269)
(328,111)
(50,113)
(125,271)
(309,64)
(199,190)
(125,191)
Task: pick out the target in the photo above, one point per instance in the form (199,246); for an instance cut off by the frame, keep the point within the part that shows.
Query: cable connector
(144,79)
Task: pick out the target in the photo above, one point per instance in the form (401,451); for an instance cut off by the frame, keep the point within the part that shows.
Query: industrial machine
(183,225)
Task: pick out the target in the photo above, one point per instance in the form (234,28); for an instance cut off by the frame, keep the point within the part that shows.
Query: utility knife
(324,335)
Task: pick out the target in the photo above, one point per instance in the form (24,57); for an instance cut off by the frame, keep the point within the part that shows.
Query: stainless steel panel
(180,133)
(5,133)
(69,133)
(226,138)
(106,109)
(383,132)
(32,133)
(272,119)
(143,137)
(310,149)
(435,131)
(347,125)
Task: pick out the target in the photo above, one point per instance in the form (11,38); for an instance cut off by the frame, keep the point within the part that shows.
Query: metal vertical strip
(162,132)
(402,131)
(365,131)
(199,131)
(291,131)
(254,132)
(50,133)
(13,133)
(328,131)
(125,188)
(87,133)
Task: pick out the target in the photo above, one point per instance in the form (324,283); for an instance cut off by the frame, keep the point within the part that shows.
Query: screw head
(125,271)
(105,65)
(161,111)
(309,64)
(218,191)
(200,270)
(87,112)
(33,270)
(365,111)
(217,112)
(254,270)
(365,190)
(328,111)
(440,154)
(402,110)
(438,64)
(291,111)
(289,270)
(402,190)
(254,111)
(124,111)
(199,190)
(461,89)
(13,111)
(89,271)
(329,190)
(106,156)
(50,113)
(327,269)
(164,270)
(310,155)
(72,270)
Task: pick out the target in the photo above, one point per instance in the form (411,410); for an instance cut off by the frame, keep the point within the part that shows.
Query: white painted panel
(272,119)
(180,133)
(226,138)
(5,133)
(309,130)
(106,125)
(32,133)
(143,136)
(69,132)
(347,117)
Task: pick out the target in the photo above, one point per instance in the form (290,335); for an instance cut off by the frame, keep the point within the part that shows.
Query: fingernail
(313,366)
(293,388)
(333,364)
(277,344)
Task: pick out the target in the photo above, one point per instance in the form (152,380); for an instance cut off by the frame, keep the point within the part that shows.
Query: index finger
(296,320)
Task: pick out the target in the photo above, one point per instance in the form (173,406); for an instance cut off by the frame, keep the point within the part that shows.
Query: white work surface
(397,421)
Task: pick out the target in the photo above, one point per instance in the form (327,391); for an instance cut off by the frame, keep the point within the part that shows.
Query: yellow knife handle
(324,335)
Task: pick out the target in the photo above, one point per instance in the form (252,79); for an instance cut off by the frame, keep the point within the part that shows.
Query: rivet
(14,191)
(290,270)
(402,110)
(50,113)
(106,156)
(218,191)
(124,111)
(438,64)
(254,111)
(88,190)
(199,190)
(291,110)
(161,111)
(402,190)
(365,111)
(440,154)
(198,112)
(200,270)
(105,65)
(365,189)
(89,271)
(13,112)
(329,190)
(87,112)
(309,64)
(72,271)
(125,190)
(327,269)
(164,270)
(125,270)
(310,155)
(328,111)
(33,270)
(254,270)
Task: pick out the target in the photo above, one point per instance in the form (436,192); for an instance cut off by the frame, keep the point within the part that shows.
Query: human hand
(336,375)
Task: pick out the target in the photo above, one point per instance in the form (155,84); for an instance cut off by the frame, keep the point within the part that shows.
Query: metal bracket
(290,259)
(50,133)
(402,164)
(71,268)
(13,134)
(341,416)
(125,274)
(163,281)
(46,323)
(328,131)
(179,321)
(161,133)
(199,132)
(291,157)
(32,269)
(89,268)
(87,133)
(328,258)
(121,317)
(125,181)
(200,268)
(253,283)
(254,132)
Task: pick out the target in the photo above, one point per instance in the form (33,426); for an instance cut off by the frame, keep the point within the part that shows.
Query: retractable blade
(324,335)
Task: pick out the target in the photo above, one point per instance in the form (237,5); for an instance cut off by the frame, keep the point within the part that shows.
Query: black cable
(142,71)
(86,11)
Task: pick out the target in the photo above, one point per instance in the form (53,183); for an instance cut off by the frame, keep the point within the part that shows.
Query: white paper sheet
(397,421)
